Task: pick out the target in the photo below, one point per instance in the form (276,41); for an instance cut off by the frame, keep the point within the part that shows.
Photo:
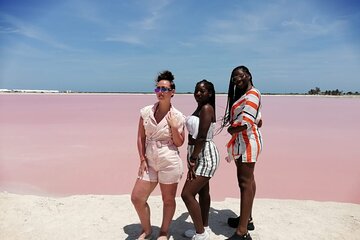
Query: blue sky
(114,45)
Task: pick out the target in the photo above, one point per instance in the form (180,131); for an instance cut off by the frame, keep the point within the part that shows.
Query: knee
(245,182)
(169,201)
(204,195)
(186,196)
(136,199)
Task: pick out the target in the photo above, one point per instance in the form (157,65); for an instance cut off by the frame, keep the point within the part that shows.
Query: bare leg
(204,201)
(139,197)
(245,173)
(168,192)
(254,192)
(191,188)
(253,186)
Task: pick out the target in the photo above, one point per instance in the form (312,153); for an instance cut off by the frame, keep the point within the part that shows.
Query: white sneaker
(203,236)
(191,232)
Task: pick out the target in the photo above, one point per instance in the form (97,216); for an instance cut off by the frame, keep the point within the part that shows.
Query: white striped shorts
(208,159)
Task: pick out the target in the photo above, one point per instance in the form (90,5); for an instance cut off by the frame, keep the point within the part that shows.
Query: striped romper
(209,158)
(248,143)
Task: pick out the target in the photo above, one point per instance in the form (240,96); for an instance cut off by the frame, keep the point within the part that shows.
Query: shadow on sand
(217,223)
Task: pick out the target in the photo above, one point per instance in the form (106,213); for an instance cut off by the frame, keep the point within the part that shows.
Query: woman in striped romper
(242,117)
(203,159)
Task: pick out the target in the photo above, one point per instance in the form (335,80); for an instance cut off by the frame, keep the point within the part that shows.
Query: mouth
(198,97)
(239,83)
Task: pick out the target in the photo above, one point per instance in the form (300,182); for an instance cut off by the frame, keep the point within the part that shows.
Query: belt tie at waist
(159,143)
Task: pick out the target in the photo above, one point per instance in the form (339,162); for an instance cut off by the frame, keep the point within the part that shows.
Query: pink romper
(164,162)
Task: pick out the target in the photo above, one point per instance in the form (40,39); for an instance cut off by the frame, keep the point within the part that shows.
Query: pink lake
(57,145)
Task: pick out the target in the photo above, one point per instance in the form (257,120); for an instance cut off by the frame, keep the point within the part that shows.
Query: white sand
(80,217)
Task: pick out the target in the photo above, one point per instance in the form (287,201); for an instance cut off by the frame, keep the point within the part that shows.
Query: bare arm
(206,117)
(241,128)
(237,129)
(141,138)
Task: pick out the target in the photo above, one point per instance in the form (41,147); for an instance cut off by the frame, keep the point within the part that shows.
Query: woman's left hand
(171,119)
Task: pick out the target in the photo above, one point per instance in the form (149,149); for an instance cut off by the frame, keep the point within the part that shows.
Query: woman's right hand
(143,168)
(191,173)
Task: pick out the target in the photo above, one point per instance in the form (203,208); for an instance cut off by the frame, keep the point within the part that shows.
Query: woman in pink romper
(160,133)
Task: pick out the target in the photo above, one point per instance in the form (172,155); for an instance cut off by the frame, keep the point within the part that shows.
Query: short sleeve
(249,114)
(145,112)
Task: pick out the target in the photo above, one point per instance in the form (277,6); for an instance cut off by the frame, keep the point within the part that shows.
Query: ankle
(162,233)
(241,233)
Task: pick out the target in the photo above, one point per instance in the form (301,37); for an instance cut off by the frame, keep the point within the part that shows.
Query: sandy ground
(80,217)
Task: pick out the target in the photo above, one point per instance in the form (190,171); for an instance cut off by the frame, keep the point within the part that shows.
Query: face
(240,79)
(201,93)
(163,90)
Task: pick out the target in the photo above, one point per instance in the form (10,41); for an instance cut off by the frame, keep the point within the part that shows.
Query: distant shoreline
(150,93)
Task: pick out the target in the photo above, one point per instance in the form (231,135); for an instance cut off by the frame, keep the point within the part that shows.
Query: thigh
(143,189)
(196,185)
(244,170)
(168,191)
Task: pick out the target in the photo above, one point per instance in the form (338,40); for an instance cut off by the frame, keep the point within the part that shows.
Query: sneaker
(191,232)
(238,237)
(203,236)
(234,222)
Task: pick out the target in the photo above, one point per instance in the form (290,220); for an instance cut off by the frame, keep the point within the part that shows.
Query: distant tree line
(317,91)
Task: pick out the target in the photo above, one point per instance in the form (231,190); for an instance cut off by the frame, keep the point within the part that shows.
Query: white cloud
(17,26)
(86,10)
(125,39)
(154,11)
(139,31)
(315,27)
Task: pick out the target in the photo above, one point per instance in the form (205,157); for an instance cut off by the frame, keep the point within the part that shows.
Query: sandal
(234,222)
(235,236)
(144,237)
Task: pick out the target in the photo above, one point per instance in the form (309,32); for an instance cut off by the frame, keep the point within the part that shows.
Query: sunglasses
(162,89)
(239,77)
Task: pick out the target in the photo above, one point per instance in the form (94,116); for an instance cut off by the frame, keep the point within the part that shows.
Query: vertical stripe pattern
(208,159)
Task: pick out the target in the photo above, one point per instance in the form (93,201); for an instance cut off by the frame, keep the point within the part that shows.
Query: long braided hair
(234,94)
